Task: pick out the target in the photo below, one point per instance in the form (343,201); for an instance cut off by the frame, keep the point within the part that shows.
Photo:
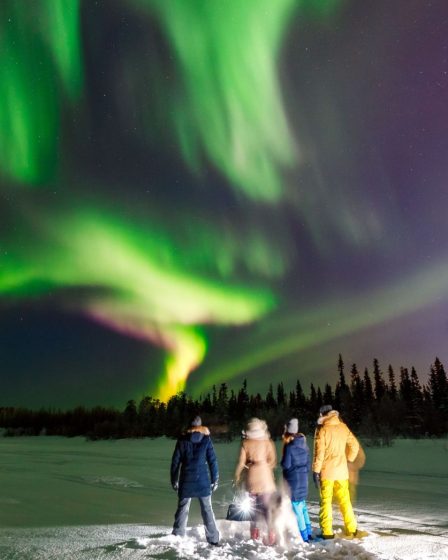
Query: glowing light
(246,505)
(243,507)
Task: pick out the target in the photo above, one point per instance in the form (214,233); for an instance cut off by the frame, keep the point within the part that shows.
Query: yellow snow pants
(338,489)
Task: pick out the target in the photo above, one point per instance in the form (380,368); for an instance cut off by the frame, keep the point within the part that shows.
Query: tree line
(377,406)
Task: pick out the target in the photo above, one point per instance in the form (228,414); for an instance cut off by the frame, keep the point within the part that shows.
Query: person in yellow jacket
(334,445)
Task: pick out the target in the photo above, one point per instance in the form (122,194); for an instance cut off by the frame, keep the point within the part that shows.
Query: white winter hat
(292,427)
(256,429)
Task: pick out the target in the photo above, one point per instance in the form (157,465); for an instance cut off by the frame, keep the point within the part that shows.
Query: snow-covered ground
(68,498)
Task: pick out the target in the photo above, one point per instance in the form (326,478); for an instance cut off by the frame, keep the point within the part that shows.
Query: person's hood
(197,433)
(296,440)
(331,418)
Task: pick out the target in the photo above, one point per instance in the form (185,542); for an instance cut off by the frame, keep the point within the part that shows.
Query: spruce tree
(440,387)
(207,404)
(319,398)
(313,400)
(392,387)
(328,394)
(214,398)
(242,401)
(292,401)
(232,409)
(342,395)
(280,394)
(222,403)
(357,392)
(405,388)
(342,383)
(380,386)
(368,390)
(130,412)
(416,395)
(300,396)
(270,400)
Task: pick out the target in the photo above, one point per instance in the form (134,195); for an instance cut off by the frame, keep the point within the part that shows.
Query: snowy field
(68,498)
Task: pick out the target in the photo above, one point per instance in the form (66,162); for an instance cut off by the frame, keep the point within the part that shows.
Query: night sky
(203,191)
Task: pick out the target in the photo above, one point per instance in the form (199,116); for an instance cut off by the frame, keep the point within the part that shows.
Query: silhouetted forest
(377,406)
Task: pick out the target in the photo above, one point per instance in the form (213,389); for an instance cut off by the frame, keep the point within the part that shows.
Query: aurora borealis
(204,191)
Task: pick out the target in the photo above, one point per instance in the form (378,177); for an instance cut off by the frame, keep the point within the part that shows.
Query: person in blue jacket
(194,474)
(296,466)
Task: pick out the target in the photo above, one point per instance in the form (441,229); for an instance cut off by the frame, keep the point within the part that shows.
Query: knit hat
(325,409)
(292,427)
(256,429)
(196,421)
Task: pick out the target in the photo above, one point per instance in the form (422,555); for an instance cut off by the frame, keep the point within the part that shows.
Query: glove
(316,478)
(175,486)
(214,486)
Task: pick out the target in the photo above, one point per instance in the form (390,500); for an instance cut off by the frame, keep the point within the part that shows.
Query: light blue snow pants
(303,519)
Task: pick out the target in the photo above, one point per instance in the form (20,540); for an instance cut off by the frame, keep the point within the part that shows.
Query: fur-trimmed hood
(332,418)
(201,429)
(287,437)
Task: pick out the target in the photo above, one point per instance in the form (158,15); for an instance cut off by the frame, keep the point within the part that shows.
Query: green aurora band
(40,62)
(227,53)
(227,56)
(136,279)
(129,287)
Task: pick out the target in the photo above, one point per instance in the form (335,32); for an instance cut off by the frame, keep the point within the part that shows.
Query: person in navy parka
(194,474)
(296,466)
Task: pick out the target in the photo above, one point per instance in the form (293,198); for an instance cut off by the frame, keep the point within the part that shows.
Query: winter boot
(255,534)
(271,539)
(305,536)
(358,534)
(325,537)
(310,532)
